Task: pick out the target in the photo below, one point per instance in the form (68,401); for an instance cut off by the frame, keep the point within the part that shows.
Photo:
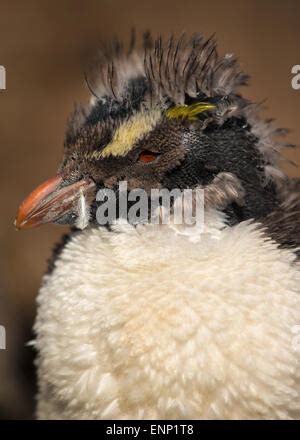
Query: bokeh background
(45,47)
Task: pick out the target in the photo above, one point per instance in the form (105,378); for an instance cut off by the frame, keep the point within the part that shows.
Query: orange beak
(54,202)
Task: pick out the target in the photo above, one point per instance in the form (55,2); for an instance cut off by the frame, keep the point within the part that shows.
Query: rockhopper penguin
(168,321)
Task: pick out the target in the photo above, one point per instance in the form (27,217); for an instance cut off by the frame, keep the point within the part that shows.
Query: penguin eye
(147,156)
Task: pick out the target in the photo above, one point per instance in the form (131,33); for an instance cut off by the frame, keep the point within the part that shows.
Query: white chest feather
(150,323)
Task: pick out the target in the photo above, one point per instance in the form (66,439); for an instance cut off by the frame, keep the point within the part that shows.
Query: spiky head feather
(183,77)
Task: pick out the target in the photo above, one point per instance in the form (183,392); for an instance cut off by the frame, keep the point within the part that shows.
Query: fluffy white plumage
(150,323)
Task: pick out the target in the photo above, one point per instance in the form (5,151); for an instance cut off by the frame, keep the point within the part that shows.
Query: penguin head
(165,116)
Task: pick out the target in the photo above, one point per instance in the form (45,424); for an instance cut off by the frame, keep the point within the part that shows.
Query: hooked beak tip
(27,215)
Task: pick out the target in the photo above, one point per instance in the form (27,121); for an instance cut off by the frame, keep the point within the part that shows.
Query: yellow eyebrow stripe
(128,133)
(189,111)
(141,123)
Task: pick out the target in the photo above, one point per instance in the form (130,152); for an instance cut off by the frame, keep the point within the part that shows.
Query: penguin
(162,320)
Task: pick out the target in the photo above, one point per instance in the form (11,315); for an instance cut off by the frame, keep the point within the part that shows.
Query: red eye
(147,156)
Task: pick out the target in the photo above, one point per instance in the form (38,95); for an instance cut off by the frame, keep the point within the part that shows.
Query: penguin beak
(54,201)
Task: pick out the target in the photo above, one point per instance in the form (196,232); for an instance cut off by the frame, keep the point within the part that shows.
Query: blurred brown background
(45,47)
